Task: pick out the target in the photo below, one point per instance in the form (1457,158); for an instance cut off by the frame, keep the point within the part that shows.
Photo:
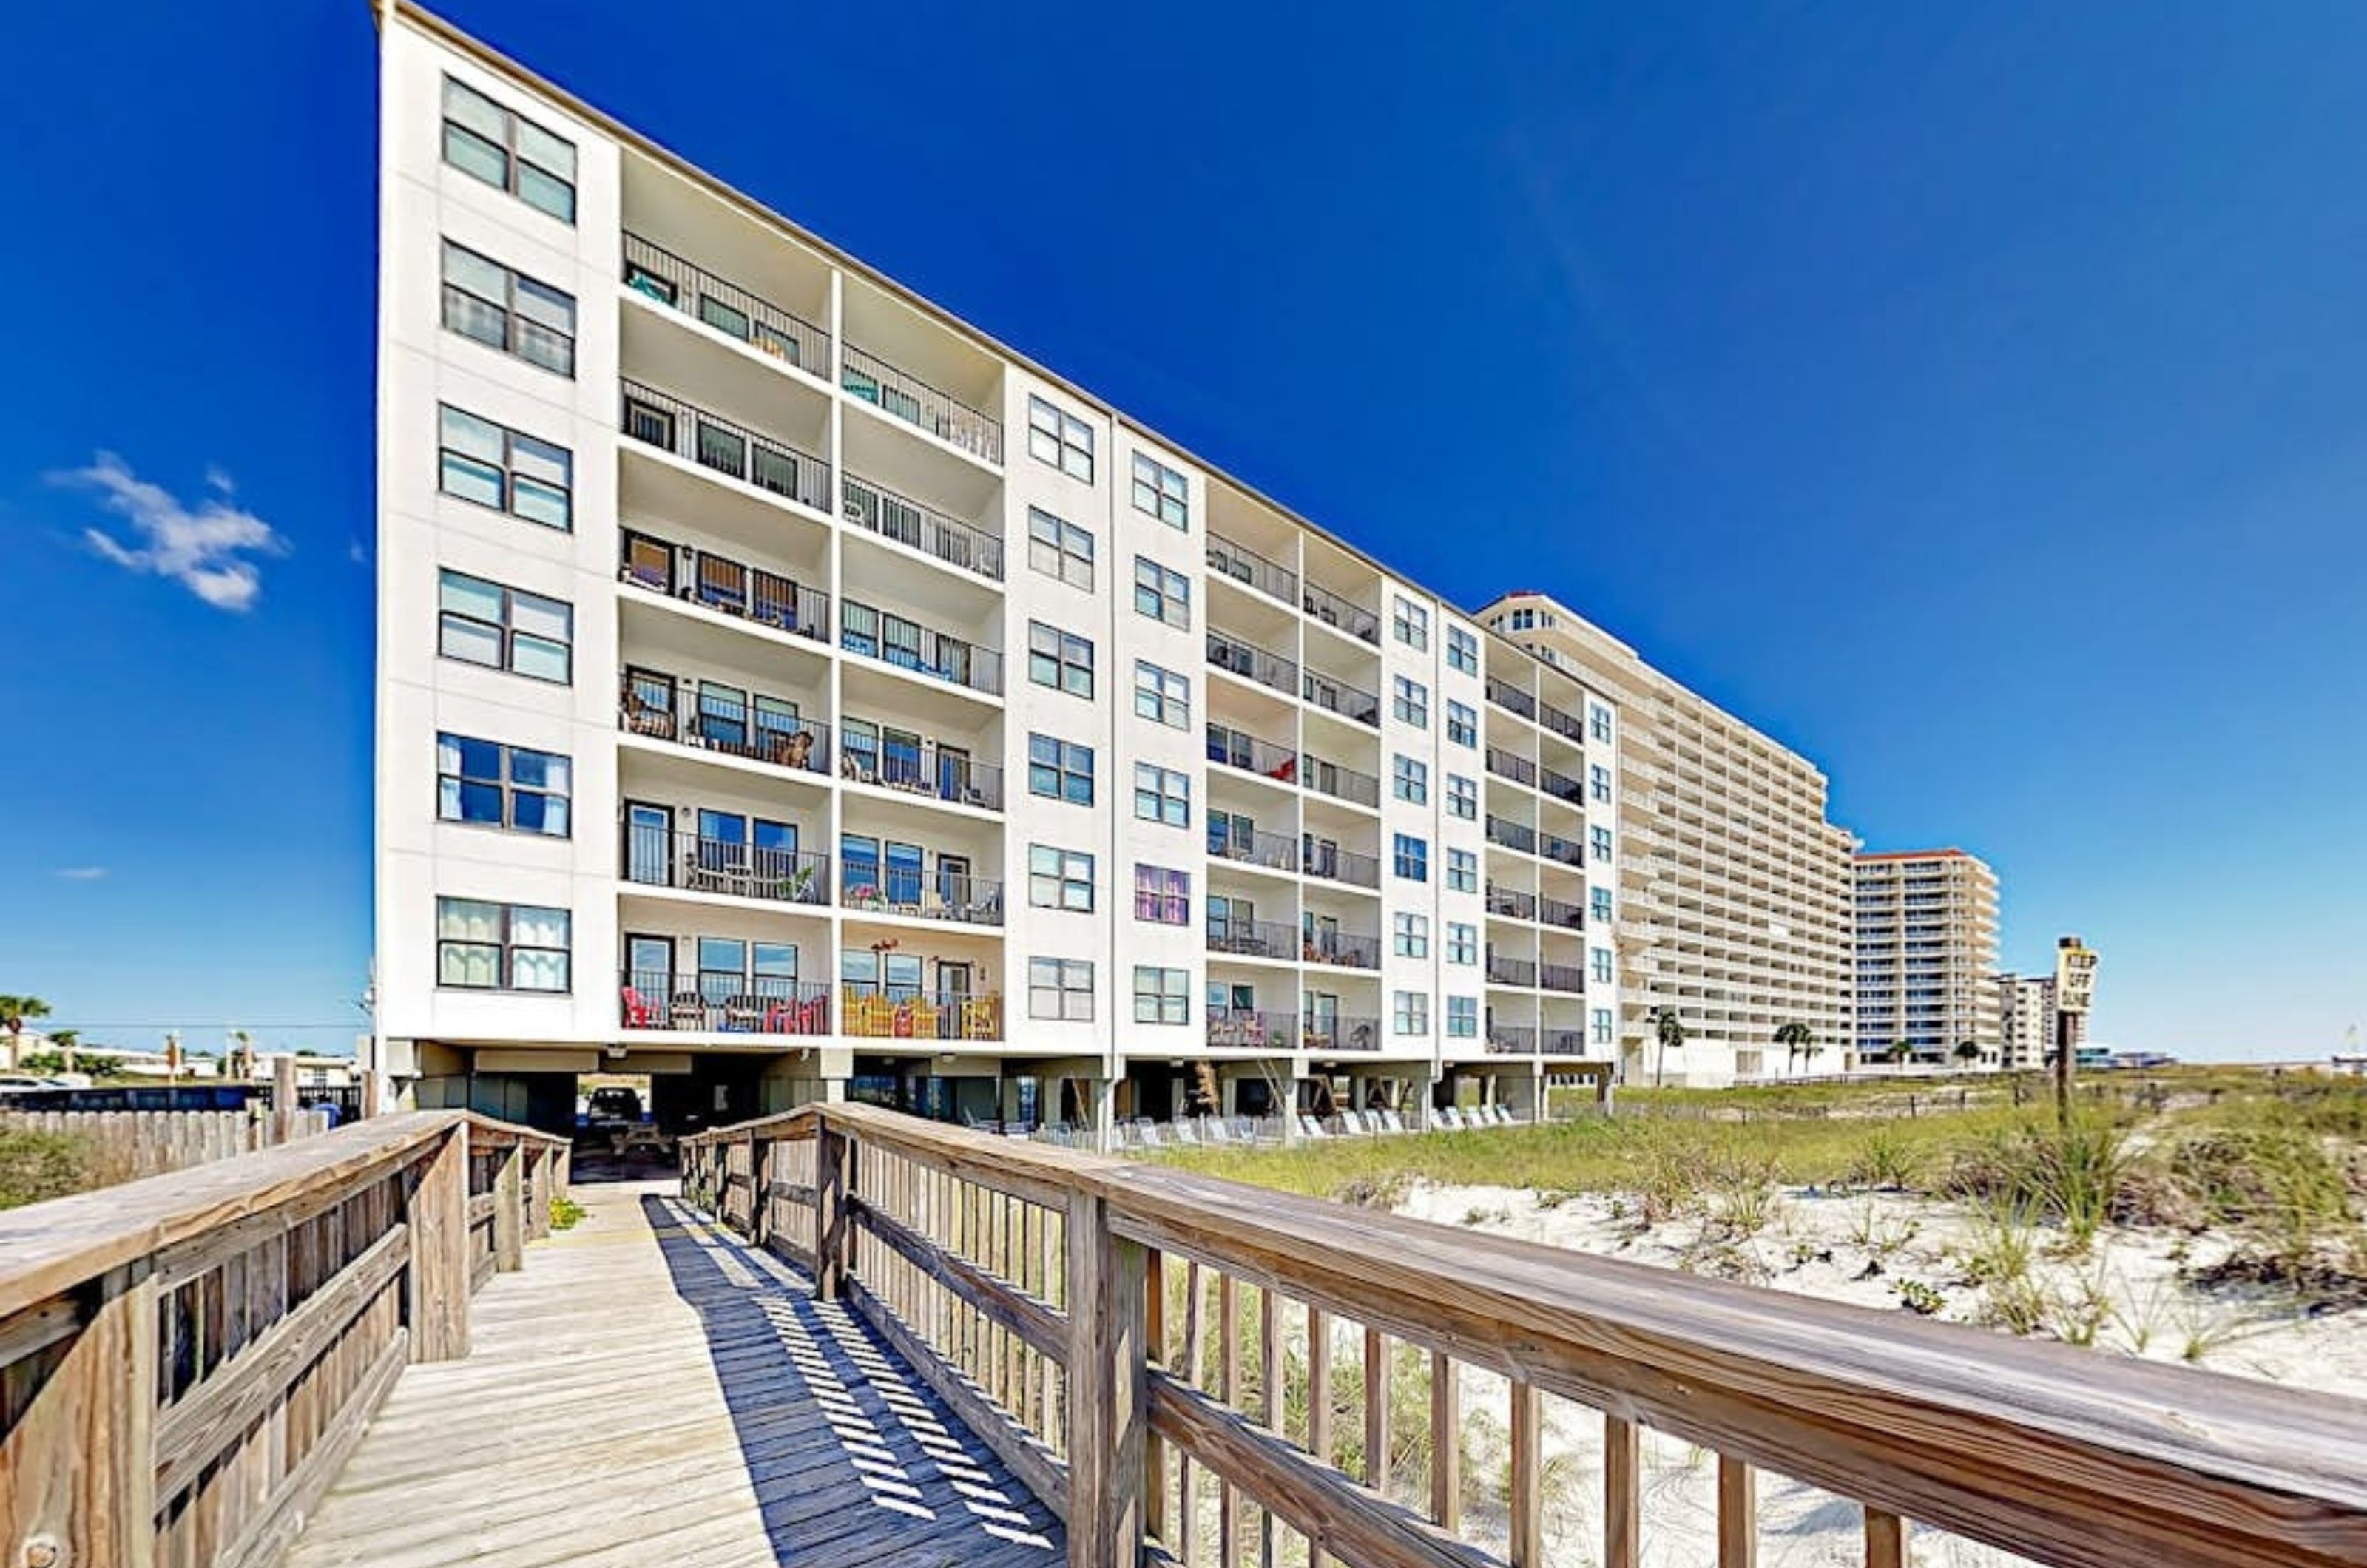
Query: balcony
(1340,697)
(1248,846)
(1233,655)
(895,1013)
(1335,864)
(713,442)
(1334,611)
(1344,949)
(1511,903)
(869,887)
(1561,786)
(1561,722)
(659,275)
(1508,765)
(1244,565)
(1512,1040)
(918,404)
(908,645)
(1340,1034)
(1565,1042)
(1566,978)
(720,582)
(714,716)
(1238,749)
(1253,939)
(717,1004)
(911,764)
(1342,783)
(1238,1028)
(1510,698)
(1512,835)
(657,856)
(1512,971)
(1563,851)
(1558,912)
(892,517)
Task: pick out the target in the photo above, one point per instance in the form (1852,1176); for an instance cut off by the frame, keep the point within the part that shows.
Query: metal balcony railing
(658,273)
(663,857)
(1503,971)
(908,645)
(1558,912)
(715,716)
(713,442)
(1505,695)
(1243,1030)
(1248,846)
(1513,1038)
(1245,565)
(909,890)
(1251,663)
(1347,950)
(917,403)
(1335,864)
(1561,850)
(924,767)
(1253,939)
(892,517)
(1342,783)
(898,1013)
(1561,977)
(1511,903)
(1340,697)
(1561,786)
(721,582)
(690,1002)
(1565,1042)
(1344,1034)
(1512,835)
(1561,722)
(1239,748)
(1334,611)
(1511,765)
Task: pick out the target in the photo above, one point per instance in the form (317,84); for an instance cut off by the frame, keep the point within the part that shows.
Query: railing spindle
(1196,1373)
(1272,1375)
(1318,1398)
(1526,1548)
(1886,1540)
(1376,1410)
(1737,1513)
(1623,1479)
(1228,1390)
(1154,1333)
(1445,1442)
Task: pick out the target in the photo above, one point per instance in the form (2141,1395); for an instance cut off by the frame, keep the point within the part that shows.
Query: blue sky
(1970,398)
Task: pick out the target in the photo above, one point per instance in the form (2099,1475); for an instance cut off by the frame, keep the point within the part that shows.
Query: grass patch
(37,1167)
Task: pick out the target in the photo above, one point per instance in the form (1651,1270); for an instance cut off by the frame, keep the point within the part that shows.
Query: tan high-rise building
(1926,957)
(2026,1014)
(1733,888)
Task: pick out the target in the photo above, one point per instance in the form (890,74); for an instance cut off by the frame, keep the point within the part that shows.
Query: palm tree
(240,1065)
(1899,1051)
(1670,1031)
(1968,1051)
(63,1042)
(1794,1037)
(14,1012)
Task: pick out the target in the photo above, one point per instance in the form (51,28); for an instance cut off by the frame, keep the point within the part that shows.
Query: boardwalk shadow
(852,1459)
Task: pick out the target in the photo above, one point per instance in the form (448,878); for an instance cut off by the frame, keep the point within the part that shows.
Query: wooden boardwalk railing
(186,1361)
(1088,1318)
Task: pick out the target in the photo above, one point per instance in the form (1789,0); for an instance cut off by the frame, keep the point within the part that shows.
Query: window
(500,787)
(1161,996)
(502,628)
(1060,879)
(1162,695)
(1159,490)
(1462,943)
(1162,896)
(494,466)
(1410,779)
(1463,1018)
(1161,594)
(1599,840)
(1060,659)
(480,946)
(1598,781)
(1463,649)
(1409,1012)
(1060,438)
(1462,871)
(1598,720)
(508,153)
(1602,1026)
(1411,622)
(1462,723)
(1601,959)
(1161,794)
(1462,797)
(1410,858)
(1411,701)
(1599,905)
(1059,770)
(507,311)
(1523,620)
(1412,934)
(1061,549)
(1061,989)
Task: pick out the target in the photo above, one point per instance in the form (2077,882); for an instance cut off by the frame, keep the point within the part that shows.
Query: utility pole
(2074,991)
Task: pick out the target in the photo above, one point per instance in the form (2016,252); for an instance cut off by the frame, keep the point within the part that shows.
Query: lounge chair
(1445,1116)
(1310,1127)
(1182,1133)
(1214,1131)
(1392,1121)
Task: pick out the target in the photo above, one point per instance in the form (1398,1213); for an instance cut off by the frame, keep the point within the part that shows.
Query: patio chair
(934,906)
(687,1010)
(1309,1127)
(1215,1132)
(742,1015)
(1445,1116)
(637,1010)
(927,1018)
(1182,1134)
(1392,1121)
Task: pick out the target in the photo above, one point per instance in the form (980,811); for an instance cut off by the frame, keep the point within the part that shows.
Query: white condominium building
(2027,1022)
(1734,889)
(1927,936)
(787,692)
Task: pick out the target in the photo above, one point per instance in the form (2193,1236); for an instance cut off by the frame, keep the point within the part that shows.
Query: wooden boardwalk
(650,1389)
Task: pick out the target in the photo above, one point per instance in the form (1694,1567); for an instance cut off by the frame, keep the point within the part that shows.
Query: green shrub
(37,1167)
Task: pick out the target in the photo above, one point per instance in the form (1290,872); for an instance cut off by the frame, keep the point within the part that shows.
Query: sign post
(2074,992)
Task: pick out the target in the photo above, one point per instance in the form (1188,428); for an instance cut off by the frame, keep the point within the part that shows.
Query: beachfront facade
(1927,930)
(1734,889)
(786,691)
(2028,1021)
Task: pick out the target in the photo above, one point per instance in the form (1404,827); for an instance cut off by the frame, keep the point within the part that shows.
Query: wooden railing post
(509,1209)
(760,1199)
(437,1283)
(1108,1421)
(538,1192)
(78,1462)
(834,1179)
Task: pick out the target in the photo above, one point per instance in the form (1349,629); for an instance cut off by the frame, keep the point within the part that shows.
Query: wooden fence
(187,1361)
(1088,1318)
(126,1146)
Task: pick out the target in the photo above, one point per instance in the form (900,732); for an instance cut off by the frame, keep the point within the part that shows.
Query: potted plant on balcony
(866,896)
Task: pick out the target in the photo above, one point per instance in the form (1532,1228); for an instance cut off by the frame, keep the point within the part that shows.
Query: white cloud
(81,873)
(204,549)
(355,553)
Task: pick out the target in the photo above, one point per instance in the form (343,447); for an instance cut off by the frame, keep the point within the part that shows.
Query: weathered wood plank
(1107,1361)
(76,1483)
(1622,1493)
(438,1280)
(1043,1330)
(1738,1514)
(1886,1540)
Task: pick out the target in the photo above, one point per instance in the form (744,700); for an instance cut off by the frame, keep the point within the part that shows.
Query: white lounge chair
(1310,1127)
(1391,1122)
(1182,1133)
(1445,1116)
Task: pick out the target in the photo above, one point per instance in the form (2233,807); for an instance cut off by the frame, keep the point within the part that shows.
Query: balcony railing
(1340,697)
(1244,1031)
(1565,1042)
(892,517)
(1348,949)
(1512,835)
(1503,971)
(908,645)
(1513,1038)
(713,442)
(1230,653)
(895,1013)
(720,582)
(1335,864)
(869,886)
(916,402)
(1342,783)
(1558,912)
(1245,565)
(1511,902)
(1563,851)
(718,718)
(1561,786)
(659,857)
(1239,748)
(659,275)
(926,768)
(1248,846)
(1253,939)
(1561,722)
(1506,695)
(726,1004)
(1340,1034)
(1561,977)
(1511,765)
(1334,611)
